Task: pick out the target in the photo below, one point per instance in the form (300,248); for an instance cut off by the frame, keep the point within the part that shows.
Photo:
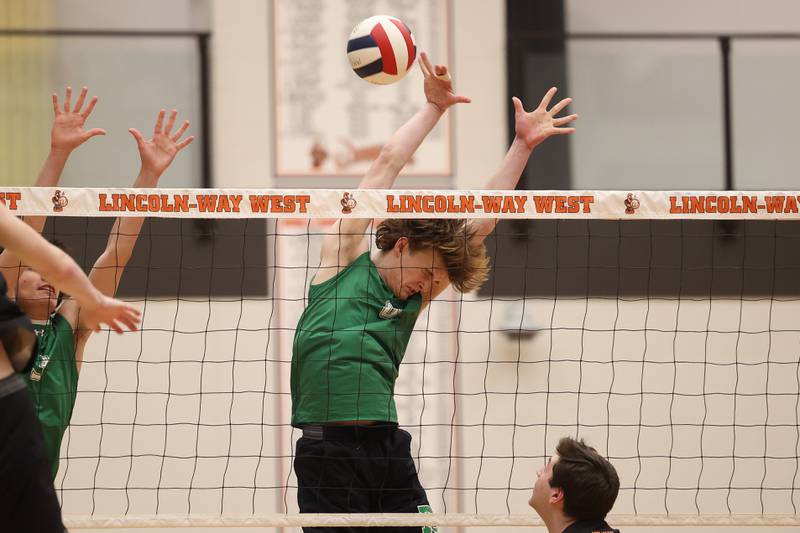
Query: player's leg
(28,501)
(400,489)
(328,479)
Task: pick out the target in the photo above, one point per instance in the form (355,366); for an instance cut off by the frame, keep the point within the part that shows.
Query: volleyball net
(661,327)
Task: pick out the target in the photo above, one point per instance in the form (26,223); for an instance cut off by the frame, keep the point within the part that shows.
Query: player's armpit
(341,246)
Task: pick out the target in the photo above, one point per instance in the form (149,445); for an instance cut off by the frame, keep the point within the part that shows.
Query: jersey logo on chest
(38,368)
(389,311)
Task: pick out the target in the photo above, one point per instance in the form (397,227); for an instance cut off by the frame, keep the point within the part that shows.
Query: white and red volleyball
(381,49)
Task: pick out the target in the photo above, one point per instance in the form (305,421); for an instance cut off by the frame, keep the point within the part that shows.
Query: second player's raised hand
(157,153)
(117,315)
(439,85)
(541,123)
(68,133)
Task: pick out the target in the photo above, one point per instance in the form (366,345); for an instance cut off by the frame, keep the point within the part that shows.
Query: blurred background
(648,79)
(678,95)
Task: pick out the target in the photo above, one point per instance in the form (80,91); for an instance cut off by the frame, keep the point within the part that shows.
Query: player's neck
(37,313)
(557,522)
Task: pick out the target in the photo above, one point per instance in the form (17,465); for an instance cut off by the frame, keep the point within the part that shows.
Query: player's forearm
(401,146)
(123,235)
(406,140)
(49,176)
(508,175)
(122,239)
(52,168)
(107,271)
(506,178)
(147,178)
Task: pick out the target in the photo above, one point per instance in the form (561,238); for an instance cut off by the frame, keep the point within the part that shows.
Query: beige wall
(243,157)
(242,93)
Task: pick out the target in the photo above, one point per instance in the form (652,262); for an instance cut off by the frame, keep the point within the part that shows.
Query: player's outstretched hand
(68,133)
(541,123)
(115,314)
(158,153)
(439,85)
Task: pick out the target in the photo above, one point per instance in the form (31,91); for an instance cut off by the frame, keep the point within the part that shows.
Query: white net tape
(320,203)
(441,520)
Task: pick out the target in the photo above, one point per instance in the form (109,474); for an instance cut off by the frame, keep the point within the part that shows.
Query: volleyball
(381,49)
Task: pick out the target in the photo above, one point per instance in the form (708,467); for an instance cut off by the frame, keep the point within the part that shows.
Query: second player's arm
(346,240)
(156,156)
(531,129)
(66,135)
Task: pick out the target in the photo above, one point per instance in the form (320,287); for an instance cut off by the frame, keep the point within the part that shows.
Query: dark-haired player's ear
(556,495)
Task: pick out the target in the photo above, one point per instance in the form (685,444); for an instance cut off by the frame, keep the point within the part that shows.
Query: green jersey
(53,382)
(348,346)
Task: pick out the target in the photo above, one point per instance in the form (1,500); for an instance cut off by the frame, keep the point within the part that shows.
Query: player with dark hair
(53,379)
(576,490)
(362,307)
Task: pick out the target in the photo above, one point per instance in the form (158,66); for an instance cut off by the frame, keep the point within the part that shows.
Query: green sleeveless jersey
(53,382)
(348,346)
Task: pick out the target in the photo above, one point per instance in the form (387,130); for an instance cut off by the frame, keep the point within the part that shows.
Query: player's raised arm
(156,154)
(66,135)
(531,130)
(346,239)
(404,142)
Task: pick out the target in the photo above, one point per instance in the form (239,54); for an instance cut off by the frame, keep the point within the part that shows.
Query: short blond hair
(464,255)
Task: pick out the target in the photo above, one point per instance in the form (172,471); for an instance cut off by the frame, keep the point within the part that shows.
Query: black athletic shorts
(28,501)
(364,469)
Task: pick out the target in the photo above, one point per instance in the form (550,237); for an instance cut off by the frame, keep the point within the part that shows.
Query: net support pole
(725,48)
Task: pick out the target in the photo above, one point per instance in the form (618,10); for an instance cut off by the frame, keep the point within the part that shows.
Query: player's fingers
(517,105)
(132,318)
(425,64)
(124,323)
(67,98)
(180,131)
(137,136)
(159,123)
(565,120)
(547,97)
(56,109)
(562,131)
(186,142)
(133,324)
(462,99)
(424,70)
(93,132)
(559,106)
(115,326)
(90,107)
(81,99)
(170,121)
